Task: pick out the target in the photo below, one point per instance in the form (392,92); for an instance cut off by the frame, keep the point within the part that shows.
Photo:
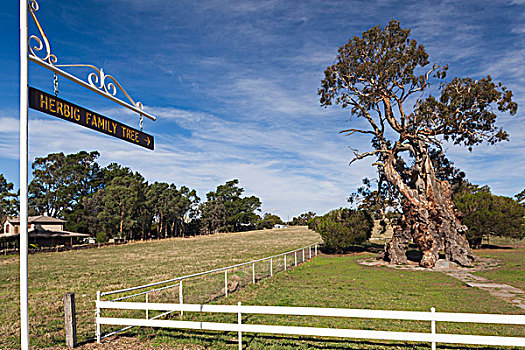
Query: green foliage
(102,237)
(8,199)
(119,202)
(60,181)
(269,221)
(227,211)
(488,215)
(302,219)
(341,229)
(520,197)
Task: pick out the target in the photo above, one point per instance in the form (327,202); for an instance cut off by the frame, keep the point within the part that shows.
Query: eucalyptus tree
(60,181)
(226,210)
(8,199)
(384,78)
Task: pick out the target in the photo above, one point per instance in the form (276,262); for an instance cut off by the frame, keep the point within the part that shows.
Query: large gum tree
(384,77)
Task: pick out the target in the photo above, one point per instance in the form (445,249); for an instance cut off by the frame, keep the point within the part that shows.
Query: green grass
(338,281)
(84,272)
(512,271)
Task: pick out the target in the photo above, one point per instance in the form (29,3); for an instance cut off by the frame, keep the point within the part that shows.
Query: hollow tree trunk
(429,216)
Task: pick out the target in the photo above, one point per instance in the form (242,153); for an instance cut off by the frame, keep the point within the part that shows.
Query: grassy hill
(84,272)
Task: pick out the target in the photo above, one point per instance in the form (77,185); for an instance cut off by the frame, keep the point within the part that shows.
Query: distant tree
(341,229)
(520,197)
(226,210)
(488,215)
(9,203)
(121,200)
(59,181)
(376,76)
(302,220)
(269,221)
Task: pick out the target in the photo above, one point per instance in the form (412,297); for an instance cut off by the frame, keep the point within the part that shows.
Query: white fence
(240,310)
(290,258)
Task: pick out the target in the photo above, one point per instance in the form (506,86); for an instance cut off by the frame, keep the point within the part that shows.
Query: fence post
(284,262)
(71,322)
(271,267)
(295,256)
(303,254)
(310,252)
(239,321)
(316,249)
(97,316)
(433,326)
(147,310)
(253,272)
(226,283)
(181,301)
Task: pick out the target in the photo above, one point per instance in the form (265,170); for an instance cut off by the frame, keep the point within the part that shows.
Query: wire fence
(202,287)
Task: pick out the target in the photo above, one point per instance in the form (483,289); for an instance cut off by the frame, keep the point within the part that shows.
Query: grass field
(327,281)
(338,281)
(84,272)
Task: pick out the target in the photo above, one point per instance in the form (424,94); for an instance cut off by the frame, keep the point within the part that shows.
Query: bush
(269,221)
(343,228)
(488,215)
(102,237)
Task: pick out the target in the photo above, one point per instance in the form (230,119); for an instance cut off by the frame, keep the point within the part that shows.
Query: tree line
(116,202)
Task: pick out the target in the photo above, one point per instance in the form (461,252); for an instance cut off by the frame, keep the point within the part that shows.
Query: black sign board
(58,107)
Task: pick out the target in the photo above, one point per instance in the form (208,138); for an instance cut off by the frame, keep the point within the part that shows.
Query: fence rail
(177,279)
(305,253)
(239,309)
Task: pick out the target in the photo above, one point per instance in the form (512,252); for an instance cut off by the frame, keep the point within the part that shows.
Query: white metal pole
(226,283)
(284,262)
(310,253)
(253,273)
(181,301)
(316,250)
(303,254)
(295,257)
(24,310)
(271,267)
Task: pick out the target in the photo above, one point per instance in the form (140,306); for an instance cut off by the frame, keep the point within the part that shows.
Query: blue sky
(234,86)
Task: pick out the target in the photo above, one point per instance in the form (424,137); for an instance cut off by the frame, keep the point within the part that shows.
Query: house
(42,231)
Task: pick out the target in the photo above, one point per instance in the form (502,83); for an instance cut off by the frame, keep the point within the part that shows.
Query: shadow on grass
(214,340)
(413,254)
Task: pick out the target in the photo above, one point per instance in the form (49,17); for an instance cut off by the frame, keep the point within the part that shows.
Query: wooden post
(70,318)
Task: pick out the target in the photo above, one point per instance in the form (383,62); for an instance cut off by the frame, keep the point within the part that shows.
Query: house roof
(40,219)
(39,233)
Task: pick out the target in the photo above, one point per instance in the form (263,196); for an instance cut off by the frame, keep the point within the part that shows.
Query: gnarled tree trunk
(429,216)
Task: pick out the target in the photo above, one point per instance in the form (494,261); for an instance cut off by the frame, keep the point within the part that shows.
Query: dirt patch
(480,264)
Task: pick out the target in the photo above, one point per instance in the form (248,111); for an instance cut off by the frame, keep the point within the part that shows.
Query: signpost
(37,49)
(63,109)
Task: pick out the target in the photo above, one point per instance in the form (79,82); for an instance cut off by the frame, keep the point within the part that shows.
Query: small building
(43,231)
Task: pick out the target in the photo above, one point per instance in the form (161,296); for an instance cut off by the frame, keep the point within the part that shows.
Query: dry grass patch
(84,272)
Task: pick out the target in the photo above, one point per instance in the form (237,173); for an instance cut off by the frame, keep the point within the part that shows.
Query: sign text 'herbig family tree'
(58,107)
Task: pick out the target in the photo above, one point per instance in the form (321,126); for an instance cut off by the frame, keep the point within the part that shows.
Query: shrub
(343,228)
(488,215)
(102,237)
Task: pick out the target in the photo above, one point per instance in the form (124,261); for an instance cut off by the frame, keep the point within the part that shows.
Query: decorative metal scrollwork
(40,43)
(99,80)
